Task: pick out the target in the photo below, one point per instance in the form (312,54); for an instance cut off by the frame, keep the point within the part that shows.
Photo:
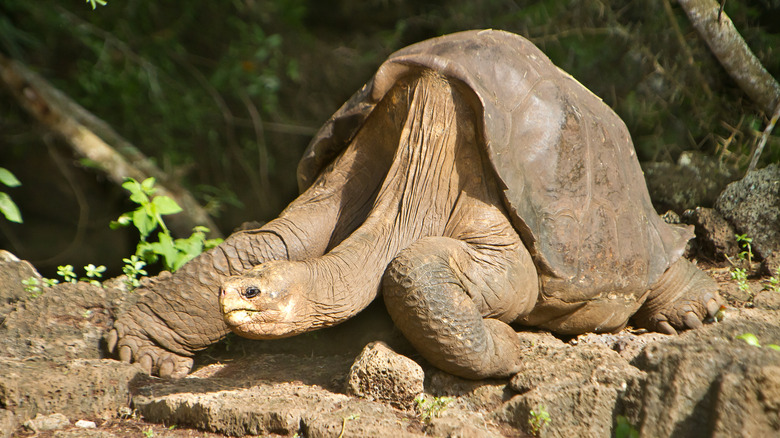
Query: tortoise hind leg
(679,300)
(453,300)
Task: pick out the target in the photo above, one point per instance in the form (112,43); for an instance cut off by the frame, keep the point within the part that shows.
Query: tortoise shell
(571,180)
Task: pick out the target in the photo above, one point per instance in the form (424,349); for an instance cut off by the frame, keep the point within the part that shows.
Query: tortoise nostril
(251,292)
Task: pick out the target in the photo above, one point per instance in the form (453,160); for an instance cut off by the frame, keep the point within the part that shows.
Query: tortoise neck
(415,199)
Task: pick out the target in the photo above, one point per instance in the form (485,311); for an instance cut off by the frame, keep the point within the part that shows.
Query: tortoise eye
(251,292)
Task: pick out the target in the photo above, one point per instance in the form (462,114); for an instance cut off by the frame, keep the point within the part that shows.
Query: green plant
(32,286)
(773,283)
(344,423)
(133,268)
(149,433)
(93,274)
(538,420)
(94,3)
(745,242)
(624,429)
(7,205)
(752,340)
(431,407)
(740,276)
(148,217)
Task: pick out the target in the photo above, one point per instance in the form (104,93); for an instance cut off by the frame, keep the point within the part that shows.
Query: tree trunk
(733,53)
(95,140)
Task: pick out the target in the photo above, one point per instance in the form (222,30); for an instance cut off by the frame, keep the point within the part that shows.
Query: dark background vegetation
(225,95)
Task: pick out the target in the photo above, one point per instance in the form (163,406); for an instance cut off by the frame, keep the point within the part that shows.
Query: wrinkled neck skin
(414,200)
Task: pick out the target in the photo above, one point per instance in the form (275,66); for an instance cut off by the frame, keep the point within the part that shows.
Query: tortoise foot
(682,298)
(132,345)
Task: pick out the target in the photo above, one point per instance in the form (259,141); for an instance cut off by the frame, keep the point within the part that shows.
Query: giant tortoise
(473,185)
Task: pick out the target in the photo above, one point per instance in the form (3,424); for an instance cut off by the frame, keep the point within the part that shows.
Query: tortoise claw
(125,353)
(146,363)
(111,340)
(692,320)
(666,328)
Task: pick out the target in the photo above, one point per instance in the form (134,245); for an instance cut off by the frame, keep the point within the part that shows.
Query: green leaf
(139,198)
(773,347)
(131,185)
(122,221)
(148,185)
(8,178)
(166,249)
(750,339)
(165,205)
(144,222)
(9,208)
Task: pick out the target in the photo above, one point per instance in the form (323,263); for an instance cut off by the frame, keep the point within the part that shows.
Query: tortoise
(473,185)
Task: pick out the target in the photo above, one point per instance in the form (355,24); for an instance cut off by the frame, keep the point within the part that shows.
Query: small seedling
(624,429)
(745,242)
(539,419)
(133,269)
(32,286)
(66,272)
(344,423)
(773,283)
(94,274)
(752,340)
(431,407)
(740,276)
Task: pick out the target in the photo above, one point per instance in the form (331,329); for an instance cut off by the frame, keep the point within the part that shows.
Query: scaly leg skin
(177,315)
(444,294)
(454,296)
(681,299)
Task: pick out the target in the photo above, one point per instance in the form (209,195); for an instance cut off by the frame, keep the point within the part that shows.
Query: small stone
(84,424)
(47,422)
(383,375)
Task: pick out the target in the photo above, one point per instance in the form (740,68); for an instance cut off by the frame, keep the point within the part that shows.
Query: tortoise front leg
(453,301)
(177,315)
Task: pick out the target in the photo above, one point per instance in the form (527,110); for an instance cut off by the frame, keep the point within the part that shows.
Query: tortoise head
(267,301)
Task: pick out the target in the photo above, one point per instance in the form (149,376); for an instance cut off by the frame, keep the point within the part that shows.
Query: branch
(95,140)
(734,55)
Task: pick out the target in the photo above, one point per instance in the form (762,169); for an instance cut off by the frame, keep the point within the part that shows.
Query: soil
(53,368)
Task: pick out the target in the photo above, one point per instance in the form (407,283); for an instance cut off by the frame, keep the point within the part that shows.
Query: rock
(752,206)
(84,424)
(577,386)
(708,383)
(771,265)
(47,422)
(269,408)
(65,321)
(12,272)
(77,388)
(457,423)
(715,238)
(381,374)
(767,299)
(8,423)
(695,180)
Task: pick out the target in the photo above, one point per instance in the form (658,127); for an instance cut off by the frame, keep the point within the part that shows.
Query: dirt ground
(52,362)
